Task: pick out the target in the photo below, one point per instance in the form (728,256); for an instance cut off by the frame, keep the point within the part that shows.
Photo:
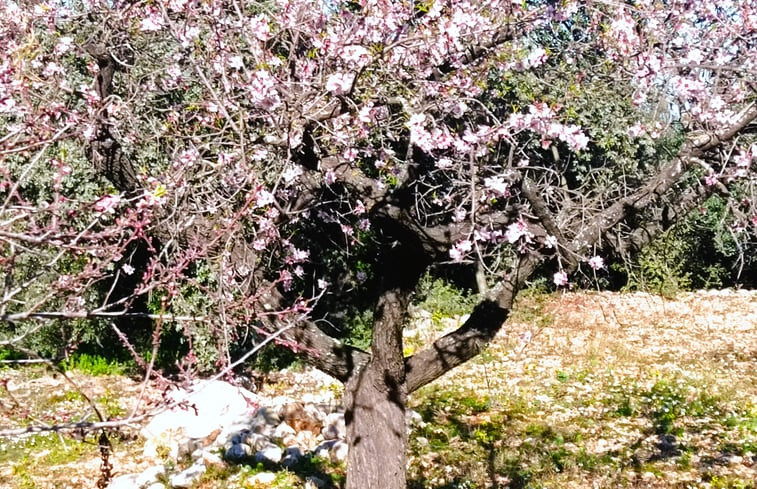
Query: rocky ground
(580,390)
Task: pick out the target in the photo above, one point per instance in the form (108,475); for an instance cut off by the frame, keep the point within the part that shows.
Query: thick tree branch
(468,340)
(105,151)
(659,184)
(540,209)
(316,347)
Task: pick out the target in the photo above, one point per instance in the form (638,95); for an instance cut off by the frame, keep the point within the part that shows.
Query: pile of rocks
(214,423)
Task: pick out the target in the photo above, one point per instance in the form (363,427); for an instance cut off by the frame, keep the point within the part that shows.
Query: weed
(442,299)
(109,405)
(93,365)
(723,482)
(670,400)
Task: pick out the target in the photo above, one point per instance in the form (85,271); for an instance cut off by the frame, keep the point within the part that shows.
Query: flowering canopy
(224,136)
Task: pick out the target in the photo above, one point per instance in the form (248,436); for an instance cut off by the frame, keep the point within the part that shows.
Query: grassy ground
(580,391)
(601,390)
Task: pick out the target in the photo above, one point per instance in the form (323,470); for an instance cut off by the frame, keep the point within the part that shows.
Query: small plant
(442,299)
(93,365)
(110,405)
(668,401)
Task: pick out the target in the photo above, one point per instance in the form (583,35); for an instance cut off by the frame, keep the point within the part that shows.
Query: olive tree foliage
(227,167)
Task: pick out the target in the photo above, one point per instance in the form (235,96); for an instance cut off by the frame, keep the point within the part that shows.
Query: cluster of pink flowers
(460,250)
(540,119)
(596,262)
(107,204)
(340,83)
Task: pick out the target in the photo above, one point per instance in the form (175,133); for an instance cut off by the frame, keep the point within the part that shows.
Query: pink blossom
(357,55)
(637,130)
(339,83)
(107,204)
(64,45)
(444,163)
(298,255)
(622,34)
(263,198)
(259,244)
(177,5)
(458,252)
(187,158)
(286,279)
(497,185)
(710,179)
(329,177)
(8,106)
(535,58)
(153,22)
(350,154)
(574,137)
(236,62)
(291,173)
(560,279)
(262,90)
(518,230)
(418,133)
(596,262)
(260,27)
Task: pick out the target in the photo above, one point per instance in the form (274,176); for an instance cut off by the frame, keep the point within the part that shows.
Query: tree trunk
(375,398)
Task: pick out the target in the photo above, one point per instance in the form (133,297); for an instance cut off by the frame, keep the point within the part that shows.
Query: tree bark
(375,399)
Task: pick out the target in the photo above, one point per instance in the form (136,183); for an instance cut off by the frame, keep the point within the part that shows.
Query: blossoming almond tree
(244,153)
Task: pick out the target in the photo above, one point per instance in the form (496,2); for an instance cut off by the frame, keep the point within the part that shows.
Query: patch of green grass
(22,476)
(476,440)
(68,396)
(669,400)
(10,354)
(53,449)
(724,482)
(531,308)
(109,405)
(442,299)
(94,365)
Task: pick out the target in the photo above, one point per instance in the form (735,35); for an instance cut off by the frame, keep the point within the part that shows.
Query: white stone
(315,412)
(207,407)
(127,481)
(228,432)
(237,452)
(150,475)
(324,449)
(414,418)
(292,456)
(283,431)
(313,482)
(262,478)
(334,427)
(187,477)
(265,421)
(306,439)
(211,458)
(339,452)
(270,453)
